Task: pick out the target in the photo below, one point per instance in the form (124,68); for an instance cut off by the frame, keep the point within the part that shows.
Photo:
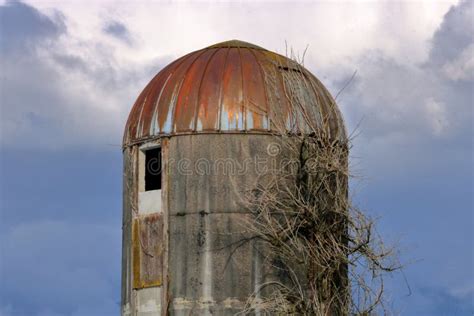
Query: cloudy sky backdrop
(71,70)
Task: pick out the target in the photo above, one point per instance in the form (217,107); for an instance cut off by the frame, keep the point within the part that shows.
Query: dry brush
(331,258)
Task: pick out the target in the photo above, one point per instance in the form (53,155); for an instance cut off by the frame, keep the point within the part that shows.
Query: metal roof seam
(242,112)
(205,91)
(221,89)
(267,103)
(198,99)
(173,119)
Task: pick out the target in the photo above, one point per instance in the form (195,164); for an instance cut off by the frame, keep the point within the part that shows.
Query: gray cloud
(415,150)
(119,31)
(425,104)
(453,35)
(23,26)
(58,96)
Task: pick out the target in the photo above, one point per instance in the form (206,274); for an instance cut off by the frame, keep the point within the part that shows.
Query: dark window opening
(153,169)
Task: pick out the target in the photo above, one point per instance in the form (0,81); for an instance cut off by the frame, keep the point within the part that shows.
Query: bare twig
(345,85)
(332,259)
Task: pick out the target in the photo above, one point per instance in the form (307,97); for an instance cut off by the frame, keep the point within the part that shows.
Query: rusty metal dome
(232,86)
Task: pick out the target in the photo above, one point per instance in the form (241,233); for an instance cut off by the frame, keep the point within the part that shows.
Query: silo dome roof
(232,86)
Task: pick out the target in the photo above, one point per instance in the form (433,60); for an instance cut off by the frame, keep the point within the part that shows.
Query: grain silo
(189,133)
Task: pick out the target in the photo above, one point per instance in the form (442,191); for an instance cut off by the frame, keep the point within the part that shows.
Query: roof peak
(236,43)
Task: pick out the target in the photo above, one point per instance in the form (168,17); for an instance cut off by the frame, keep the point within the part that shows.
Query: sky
(71,70)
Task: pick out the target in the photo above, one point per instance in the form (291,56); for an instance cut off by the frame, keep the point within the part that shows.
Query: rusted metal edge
(168,135)
(236,132)
(235,44)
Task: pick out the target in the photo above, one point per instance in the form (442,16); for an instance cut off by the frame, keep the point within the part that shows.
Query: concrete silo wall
(209,264)
(129,195)
(213,266)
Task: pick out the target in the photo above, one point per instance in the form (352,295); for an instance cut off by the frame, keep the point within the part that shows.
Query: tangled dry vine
(331,258)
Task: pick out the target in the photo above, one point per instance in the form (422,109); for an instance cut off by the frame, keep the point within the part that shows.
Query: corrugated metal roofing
(232,87)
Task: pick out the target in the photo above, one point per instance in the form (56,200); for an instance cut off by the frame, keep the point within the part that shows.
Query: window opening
(153,170)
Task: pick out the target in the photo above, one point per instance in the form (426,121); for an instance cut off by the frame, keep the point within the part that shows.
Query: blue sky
(70,73)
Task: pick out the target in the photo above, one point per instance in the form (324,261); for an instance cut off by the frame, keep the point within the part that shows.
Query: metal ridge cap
(235,44)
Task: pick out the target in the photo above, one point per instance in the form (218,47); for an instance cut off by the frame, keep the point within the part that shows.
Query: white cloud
(60,90)
(97,78)
(436,115)
(461,68)
(334,30)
